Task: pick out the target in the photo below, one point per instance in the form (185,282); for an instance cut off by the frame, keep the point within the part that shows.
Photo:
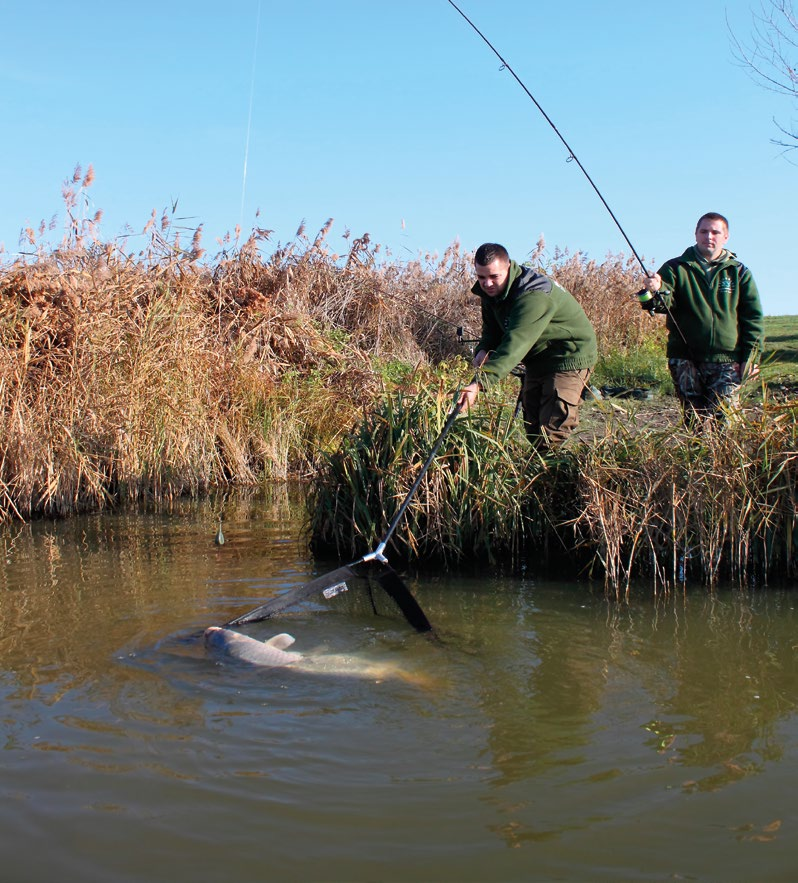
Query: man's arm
(750,322)
(529,317)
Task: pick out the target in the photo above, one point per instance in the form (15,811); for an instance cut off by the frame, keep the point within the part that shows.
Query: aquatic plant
(709,505)
(471,503)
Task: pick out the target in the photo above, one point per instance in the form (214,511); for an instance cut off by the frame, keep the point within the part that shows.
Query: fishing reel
(650,301)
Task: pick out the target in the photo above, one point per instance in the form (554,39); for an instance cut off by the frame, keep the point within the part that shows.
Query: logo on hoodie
(725,286)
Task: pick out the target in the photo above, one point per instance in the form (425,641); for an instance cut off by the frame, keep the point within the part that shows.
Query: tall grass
(139,367)
(128,375)
(666,505)
(471,504)
(680,506)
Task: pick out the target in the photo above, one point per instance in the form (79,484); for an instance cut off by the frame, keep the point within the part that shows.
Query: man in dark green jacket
(527,318)
(714,320)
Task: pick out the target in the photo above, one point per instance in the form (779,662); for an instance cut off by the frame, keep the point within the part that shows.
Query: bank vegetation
(141,369)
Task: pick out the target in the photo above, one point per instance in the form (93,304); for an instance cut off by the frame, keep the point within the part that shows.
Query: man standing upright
(527,318)
(714,320)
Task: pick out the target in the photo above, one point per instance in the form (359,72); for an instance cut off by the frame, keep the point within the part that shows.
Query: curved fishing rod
(648,301)
(571,154)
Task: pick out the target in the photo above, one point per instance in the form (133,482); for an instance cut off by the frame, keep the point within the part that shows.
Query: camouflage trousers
(705,388)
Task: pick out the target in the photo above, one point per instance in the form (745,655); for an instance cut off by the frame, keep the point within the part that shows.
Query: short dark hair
(489,252)
(712,216)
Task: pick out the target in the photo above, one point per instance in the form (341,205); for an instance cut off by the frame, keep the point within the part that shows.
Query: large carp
(273,653)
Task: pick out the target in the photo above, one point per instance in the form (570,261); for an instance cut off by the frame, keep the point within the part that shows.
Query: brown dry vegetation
(150,374)
(145,375)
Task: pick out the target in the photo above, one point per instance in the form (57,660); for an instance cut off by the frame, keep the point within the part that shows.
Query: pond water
(549,734)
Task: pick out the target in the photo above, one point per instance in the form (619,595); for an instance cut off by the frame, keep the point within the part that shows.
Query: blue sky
(395,119)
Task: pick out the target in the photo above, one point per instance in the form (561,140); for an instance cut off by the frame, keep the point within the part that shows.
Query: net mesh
(357,590)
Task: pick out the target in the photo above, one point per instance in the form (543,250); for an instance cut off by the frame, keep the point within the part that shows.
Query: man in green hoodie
(714,321)
(527,318)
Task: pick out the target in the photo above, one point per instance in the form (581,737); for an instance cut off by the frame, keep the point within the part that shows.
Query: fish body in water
(273,653)
(268,654)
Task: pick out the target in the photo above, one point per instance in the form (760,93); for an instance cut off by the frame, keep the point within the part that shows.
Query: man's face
(710,237)
(492,277)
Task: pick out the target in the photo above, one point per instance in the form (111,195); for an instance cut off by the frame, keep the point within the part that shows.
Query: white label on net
(332,591)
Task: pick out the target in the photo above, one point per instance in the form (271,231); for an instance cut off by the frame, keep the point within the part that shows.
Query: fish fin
(280,641)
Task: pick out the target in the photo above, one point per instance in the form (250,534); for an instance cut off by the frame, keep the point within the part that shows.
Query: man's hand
(652,283)
(468,396)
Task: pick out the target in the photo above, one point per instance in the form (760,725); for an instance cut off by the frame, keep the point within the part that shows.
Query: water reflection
(546,681)
(732,679)
(692,691)
(552,722)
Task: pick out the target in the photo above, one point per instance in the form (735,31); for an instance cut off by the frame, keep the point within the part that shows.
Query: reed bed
(125,379)
(139,368)
(667,506)
(471,504)
(716,505)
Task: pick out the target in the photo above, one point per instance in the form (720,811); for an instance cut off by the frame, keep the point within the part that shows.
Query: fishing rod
(648,301)
(571,154)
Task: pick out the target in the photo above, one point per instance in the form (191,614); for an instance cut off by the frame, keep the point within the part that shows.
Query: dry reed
(677,506)
(154,373)
(151,374)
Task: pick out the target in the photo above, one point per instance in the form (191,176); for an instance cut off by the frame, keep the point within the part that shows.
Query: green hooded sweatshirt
(536,322)
(714,307)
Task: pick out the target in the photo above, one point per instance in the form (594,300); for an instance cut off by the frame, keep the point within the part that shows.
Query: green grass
(780,362)
(646,364)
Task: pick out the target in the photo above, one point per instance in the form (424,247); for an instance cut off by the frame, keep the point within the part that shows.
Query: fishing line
(571,154)
(249,118)
(575,158)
